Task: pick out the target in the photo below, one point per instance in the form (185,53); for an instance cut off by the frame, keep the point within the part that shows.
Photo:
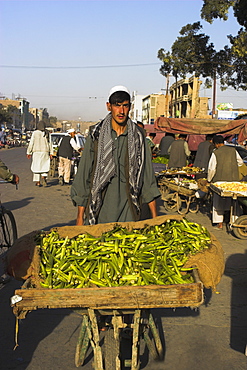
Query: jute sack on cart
(19,257)
(210,263)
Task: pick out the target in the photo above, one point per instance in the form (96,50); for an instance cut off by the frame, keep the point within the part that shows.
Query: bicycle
(8,235)
(8,228)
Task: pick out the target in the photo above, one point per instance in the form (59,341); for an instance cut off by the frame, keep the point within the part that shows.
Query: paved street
(212,337)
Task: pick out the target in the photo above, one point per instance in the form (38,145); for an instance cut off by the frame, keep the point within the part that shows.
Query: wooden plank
(178,188)
(152,296)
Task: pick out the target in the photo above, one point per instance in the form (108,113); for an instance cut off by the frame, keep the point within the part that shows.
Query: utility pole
(167,89)
(214,97)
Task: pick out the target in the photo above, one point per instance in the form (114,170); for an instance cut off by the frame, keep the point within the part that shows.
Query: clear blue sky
(99,44)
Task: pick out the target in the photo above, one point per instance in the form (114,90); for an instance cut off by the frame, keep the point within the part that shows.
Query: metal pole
(167,87)
(214,97)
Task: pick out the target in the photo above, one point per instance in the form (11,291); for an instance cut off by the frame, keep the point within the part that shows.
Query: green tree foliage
(8,114)
(53,121)
(213,9)
(240,12)
(236,75)
(193,53)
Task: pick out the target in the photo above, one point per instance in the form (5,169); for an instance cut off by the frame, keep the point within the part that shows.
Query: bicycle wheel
(8,229)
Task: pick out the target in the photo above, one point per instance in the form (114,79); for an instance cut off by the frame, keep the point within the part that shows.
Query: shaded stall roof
(195,126)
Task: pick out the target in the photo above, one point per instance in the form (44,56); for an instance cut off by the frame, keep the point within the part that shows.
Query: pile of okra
(152,255)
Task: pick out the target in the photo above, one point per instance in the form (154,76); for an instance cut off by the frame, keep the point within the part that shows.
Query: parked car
(241,116)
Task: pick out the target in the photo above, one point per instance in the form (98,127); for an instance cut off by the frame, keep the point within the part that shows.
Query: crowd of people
(115,176)
(40,151)
(218,161)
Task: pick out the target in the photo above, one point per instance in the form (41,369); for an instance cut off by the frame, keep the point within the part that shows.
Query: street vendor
(179,152)
(204,152)
(223,166)
(115,175)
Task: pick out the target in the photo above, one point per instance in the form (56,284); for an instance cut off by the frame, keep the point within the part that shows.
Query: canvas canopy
(195,126)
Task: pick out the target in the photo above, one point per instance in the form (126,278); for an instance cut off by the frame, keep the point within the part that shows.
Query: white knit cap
(71,130)
(118,88)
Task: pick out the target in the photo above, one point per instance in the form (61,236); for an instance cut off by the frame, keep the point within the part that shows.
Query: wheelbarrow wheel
(164,191)
(194,205)
(111,351)
(172,202)
(240,232)
(82,344)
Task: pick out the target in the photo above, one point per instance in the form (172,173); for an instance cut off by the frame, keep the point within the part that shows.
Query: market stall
(189,126)
(178,188)
(237,191)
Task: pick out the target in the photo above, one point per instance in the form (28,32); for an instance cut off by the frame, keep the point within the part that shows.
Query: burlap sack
(203,185)
(20,256)
(97,230)
(210,264)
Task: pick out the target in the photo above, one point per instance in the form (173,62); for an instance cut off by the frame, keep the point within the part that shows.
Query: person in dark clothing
(115,175)
(165,143)
(65,154)
(150,139)
(178,151)
(222,166)
(7,175)
(204,152)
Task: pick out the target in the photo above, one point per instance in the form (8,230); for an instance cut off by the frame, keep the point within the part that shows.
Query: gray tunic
(116,204)
(165,144)
(178,154)
(203,155)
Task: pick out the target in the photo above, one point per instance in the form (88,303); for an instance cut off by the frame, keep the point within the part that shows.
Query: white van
(56,137)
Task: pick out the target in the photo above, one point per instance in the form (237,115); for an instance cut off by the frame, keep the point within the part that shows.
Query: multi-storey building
(23,106)
(34,118)
(43,115)
(136,107)
(153,106)
(185,101)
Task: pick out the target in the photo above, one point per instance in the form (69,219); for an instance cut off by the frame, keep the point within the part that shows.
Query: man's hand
(15,180)
(29,156)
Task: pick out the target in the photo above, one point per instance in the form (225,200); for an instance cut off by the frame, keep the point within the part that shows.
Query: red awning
(195,126)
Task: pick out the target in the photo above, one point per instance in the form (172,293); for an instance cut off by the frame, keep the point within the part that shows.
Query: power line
(80,67)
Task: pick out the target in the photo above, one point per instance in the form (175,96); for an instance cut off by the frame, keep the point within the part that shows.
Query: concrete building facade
(23,106)
(185,101)
(136,107)
(153,106)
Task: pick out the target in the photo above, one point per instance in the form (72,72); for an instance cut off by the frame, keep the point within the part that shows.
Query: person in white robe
(39,150)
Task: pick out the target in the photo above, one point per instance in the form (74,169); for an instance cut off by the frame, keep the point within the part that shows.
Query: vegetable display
(232,186)
(152,255)
(159,159)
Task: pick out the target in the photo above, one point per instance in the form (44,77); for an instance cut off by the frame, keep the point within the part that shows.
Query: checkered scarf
(105,166)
